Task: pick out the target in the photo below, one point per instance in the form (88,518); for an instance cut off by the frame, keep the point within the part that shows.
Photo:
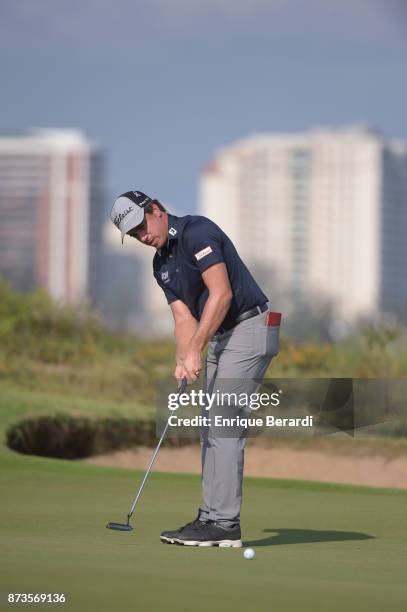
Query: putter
(126,526)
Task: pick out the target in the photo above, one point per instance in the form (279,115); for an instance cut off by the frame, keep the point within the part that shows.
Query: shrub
(75,437)
(35,325)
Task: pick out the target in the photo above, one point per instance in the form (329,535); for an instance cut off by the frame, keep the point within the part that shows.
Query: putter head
(119,526)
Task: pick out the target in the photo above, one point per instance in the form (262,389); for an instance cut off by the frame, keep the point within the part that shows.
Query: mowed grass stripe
(343,546)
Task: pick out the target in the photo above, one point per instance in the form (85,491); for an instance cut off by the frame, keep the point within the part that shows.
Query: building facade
(51,212)
(320,216)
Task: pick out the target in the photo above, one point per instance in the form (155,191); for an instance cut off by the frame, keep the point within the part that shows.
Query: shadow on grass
(304,536)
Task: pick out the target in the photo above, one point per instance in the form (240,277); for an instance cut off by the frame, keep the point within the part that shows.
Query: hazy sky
(162,84)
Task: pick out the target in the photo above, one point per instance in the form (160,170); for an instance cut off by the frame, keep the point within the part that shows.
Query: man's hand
(193,364)
(180,373)
(191,336)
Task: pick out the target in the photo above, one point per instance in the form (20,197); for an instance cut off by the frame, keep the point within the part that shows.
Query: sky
(162,85)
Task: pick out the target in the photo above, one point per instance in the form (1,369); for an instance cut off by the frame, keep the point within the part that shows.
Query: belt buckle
(259,308)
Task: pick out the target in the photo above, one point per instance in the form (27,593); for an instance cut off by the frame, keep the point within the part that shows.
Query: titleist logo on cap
(120,216)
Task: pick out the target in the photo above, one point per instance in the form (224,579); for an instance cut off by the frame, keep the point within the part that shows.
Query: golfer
(215,302)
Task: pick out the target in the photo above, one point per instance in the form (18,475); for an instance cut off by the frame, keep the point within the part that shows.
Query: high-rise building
(320,215)
(51,212)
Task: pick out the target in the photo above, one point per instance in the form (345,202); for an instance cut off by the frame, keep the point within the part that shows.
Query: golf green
(318,547)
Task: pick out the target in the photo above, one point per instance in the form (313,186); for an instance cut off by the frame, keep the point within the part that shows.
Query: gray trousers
(236,363)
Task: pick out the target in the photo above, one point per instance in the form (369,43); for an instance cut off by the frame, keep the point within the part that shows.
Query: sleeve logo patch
(203,253)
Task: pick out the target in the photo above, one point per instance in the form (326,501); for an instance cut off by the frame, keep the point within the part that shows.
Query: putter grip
(183,385)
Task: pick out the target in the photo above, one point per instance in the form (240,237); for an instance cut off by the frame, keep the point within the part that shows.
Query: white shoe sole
(220,543)
(165,539)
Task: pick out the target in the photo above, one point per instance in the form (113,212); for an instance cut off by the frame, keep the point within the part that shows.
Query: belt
(242,317)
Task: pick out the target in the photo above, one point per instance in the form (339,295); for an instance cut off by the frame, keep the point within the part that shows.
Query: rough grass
(340,444)
(47,345)
(17,404)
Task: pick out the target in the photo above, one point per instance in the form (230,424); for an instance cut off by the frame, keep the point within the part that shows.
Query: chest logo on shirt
(164,276)
(172,231)
(203,253)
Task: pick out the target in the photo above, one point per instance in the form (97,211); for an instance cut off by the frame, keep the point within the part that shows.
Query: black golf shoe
(189,528)
(210,533)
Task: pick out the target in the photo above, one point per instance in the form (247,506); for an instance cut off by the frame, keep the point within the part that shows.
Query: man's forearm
(184,332)
(215,310)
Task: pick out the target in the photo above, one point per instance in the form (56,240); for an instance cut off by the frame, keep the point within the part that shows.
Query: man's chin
(155,244)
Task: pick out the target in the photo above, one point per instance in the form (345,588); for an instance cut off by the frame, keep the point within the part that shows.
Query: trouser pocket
(272,340)
(268,334)
(268,340)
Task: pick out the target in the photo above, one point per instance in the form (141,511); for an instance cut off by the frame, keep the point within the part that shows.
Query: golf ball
(249,553)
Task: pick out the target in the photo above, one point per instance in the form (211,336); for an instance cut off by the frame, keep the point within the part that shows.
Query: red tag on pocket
(272,318)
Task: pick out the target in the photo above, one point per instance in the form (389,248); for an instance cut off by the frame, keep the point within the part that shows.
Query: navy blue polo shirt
(194,244)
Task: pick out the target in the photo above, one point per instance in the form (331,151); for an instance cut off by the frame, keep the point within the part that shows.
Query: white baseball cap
(128,210)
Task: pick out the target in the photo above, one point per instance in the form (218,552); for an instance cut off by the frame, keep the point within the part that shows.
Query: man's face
(153,231)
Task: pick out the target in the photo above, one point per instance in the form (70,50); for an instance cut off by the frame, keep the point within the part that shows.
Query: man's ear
(156,211)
